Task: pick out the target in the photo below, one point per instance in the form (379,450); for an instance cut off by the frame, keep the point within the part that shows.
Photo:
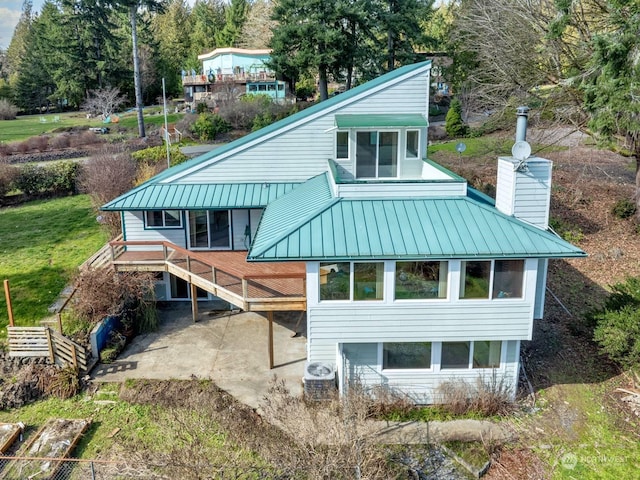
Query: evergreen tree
(612,91)
(171,33)
(206,19)
(235,16)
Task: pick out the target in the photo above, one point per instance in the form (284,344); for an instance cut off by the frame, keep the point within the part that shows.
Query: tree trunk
(137,80)
(391,47)
(322,82)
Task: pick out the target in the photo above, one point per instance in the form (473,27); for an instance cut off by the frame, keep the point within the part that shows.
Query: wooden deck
(225,274)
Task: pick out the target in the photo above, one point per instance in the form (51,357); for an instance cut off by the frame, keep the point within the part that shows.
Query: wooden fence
(46,342)
(104,256)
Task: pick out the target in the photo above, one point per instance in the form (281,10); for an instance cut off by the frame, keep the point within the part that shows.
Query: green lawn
(26,126)
(41,245)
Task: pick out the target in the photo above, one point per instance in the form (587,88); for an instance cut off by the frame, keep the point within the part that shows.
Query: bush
(40,143)
(8,175)
(624,208)
(155,155)
(207,126)
(60,141)
(454,125)
(56,178)
(8,110)
(618,324)
(106,175)
(489,397)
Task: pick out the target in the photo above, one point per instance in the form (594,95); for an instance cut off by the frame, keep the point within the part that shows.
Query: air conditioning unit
(319,381)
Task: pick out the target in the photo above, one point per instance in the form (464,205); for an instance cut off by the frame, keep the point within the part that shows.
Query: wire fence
(40,468)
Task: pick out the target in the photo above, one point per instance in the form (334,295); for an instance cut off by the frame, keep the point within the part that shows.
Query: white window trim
(230,247)
(351,299)
(164,226)
(406,135)
(446,298)
(399,152)
(491,277)
(335,146)
(471,349)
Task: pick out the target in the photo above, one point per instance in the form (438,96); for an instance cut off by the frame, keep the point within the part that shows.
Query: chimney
(523,187)
(521,123)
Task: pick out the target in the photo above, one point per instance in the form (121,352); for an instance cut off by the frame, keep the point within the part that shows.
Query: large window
(163,218)
(508,277)
(368,281)
(342,144)
(474,279)
(338,283)
(420,280)
(406,355)
(335,280)
(376,154)
(480,354)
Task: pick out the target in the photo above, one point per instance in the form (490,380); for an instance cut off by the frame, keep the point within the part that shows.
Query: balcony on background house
(241,77)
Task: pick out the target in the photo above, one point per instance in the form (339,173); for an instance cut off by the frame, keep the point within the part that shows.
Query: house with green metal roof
(408,276)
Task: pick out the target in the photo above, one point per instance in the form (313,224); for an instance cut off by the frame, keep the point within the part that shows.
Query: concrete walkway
(230,349)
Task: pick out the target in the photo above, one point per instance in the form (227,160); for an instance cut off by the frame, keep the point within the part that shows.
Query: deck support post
(270,318)
(213,274)
(7,296)
(194,302)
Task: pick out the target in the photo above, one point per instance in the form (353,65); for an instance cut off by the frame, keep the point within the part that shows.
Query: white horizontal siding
(302,152)
(134,231)
(397,190)
(362,363)
(491,320)
(525,194)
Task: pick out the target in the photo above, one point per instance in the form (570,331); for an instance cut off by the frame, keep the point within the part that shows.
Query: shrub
(8,175)
(454,125)
(624,208)
(488,397)
(56,178)
(63,177)
(106,175)
(185,123)
(85,138)
(31,179)
(201,108)
(8,110)
(618,324)
(40,143)
(60,141)
(207,126)
(63,384)
(154,155)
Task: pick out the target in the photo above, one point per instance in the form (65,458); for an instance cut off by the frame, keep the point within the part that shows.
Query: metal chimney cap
(522,110)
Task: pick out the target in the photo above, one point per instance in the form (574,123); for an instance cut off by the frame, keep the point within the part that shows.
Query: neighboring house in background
(408,276)
(231,72)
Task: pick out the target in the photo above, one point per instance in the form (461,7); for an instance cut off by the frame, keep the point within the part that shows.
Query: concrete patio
(229,348)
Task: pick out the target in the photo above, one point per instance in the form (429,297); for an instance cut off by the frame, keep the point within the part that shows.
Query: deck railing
(227,77)
(249,291)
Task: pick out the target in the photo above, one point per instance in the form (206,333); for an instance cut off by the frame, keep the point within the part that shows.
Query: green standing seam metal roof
(416,228)
(170,196)
(397,120)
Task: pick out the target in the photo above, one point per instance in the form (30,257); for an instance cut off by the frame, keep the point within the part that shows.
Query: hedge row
(56,178)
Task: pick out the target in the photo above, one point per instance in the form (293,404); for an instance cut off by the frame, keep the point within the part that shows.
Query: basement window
(406,355)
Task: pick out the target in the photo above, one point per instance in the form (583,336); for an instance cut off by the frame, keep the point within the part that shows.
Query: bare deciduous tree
(103,101)
(109,173)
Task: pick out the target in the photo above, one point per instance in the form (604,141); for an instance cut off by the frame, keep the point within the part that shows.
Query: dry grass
(488,397)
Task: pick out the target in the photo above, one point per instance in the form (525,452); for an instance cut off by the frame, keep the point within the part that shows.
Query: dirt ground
(586,184)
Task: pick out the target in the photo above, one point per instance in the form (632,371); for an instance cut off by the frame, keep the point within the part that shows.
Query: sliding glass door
(209,229)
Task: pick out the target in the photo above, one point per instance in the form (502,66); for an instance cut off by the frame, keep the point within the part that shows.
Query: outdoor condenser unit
(319,381)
